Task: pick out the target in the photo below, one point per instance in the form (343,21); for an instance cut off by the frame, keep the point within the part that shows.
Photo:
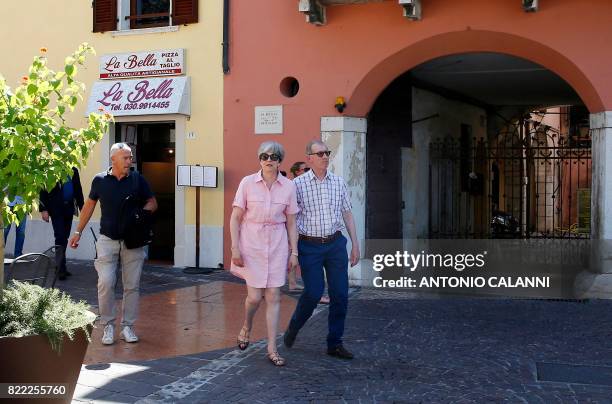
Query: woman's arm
(292,233)
(293,241)
(235,220)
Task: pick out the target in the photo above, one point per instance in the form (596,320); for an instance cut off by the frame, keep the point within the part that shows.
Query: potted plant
(43,338)
(43,333)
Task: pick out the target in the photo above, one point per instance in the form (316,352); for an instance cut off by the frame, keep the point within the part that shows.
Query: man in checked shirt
(325,209)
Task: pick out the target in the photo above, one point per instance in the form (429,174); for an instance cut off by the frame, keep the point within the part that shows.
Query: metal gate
(519,184)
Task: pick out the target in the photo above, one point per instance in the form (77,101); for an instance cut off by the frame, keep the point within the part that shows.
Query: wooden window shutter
(184,11)
(104,15)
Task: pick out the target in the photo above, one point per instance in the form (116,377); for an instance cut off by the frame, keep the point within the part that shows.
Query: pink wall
(364,47)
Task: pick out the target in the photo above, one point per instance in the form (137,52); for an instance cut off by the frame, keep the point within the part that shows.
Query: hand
(293,262)
(355,254)
(74,240)
(237,258)
(45,216)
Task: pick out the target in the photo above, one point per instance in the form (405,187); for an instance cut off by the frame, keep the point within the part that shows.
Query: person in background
(298,168)
(264,241)
(59,205)
(19,229)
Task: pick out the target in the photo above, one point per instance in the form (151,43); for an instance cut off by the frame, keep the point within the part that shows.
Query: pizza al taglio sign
(149,96)
(167,62)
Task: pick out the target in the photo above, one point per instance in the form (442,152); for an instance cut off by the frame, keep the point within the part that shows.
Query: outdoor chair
(55,253)
(35,268)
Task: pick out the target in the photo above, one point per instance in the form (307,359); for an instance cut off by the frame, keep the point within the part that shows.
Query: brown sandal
(276,359)
(243,339)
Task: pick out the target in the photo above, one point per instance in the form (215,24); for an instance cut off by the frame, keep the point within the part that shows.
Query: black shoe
(68,273)
(61,276)
(289,337)
(340,352)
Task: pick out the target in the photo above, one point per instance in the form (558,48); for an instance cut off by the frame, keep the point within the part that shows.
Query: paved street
(407,348)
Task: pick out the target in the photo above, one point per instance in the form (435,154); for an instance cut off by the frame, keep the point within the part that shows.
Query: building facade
(158,71)
(382,81)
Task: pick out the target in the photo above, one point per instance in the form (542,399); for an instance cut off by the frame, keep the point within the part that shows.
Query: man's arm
(347,216)
(86,212)
(151,204)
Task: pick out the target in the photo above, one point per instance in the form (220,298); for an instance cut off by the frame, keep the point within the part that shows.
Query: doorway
(153,146)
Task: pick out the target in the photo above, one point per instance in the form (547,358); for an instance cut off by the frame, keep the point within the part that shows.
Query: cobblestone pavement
(407,349)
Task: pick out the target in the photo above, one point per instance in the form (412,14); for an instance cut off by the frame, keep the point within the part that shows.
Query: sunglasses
(266,156)
(306,169)
(321,153)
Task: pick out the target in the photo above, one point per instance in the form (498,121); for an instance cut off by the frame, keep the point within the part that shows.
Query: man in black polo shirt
(111,187)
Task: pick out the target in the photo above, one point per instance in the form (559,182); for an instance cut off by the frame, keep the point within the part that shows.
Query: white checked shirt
(321,204)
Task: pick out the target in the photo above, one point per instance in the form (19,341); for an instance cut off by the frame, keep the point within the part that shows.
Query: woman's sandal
(243,339)
(276,359)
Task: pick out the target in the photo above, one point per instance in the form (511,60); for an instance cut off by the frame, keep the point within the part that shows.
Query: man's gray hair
(271,147)
(119,146)
(312,143)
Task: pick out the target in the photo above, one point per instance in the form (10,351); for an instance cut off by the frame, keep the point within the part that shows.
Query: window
(113,15)
(149,13)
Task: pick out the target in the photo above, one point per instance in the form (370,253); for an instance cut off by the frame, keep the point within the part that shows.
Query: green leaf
(69,69)
(32,89)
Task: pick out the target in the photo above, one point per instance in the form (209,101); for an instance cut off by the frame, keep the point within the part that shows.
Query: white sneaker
(109,335)
(128,335)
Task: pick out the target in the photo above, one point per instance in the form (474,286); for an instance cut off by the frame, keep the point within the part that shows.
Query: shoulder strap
(135,183)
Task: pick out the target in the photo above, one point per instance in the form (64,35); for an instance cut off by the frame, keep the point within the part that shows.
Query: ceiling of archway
(496,79)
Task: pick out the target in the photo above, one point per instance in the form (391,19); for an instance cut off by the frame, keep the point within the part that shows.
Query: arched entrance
(438,134)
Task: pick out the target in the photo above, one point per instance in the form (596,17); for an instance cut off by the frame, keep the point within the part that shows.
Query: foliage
(37,147)
(27,309)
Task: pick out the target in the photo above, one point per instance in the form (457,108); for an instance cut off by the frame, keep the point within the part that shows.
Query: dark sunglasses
(266,156)
(306,169)
(321,153)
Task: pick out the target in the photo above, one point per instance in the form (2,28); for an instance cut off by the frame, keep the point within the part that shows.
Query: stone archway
(470,41)
(347,134)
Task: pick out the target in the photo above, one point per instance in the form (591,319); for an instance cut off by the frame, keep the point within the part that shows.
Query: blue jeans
(313,258)
(19,235)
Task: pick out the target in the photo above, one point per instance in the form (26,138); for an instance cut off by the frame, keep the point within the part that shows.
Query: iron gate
(518,184)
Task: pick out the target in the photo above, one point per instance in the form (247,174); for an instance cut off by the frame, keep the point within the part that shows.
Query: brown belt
(321,240)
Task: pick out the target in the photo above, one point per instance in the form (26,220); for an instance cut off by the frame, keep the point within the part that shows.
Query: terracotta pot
(31,360)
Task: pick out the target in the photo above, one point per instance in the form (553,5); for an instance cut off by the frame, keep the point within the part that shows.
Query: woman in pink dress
(264,241)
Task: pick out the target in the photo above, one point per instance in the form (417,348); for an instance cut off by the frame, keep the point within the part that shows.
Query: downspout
(226,68)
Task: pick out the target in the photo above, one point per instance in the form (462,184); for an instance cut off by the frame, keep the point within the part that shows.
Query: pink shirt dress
(263,241)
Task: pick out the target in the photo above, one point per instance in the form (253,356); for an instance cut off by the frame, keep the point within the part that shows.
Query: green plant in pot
(43,337)
(27,309)
(43,333)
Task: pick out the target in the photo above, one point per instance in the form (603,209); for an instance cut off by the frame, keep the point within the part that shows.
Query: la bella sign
(167,62)
(148,96)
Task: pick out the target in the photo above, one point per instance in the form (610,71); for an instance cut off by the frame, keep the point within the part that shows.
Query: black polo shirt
(112,192)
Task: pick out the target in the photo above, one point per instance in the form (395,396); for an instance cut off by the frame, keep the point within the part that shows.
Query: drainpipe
(226,68)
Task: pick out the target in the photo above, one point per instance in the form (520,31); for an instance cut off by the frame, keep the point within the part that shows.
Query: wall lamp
(340,104)
(412,9)
(530,5)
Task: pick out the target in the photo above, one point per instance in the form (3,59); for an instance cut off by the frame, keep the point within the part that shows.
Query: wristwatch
(78,233)
(294,253)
